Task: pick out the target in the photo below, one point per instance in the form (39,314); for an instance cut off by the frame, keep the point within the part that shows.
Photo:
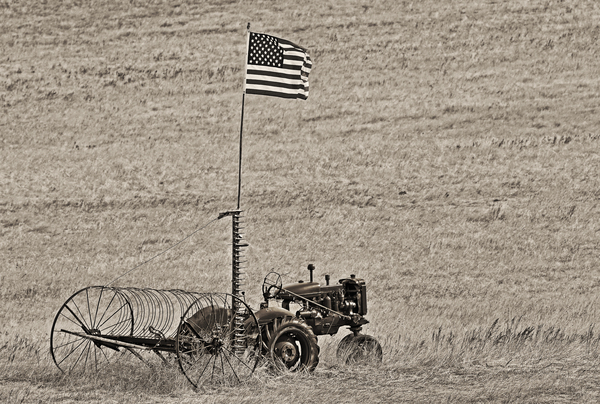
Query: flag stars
(265,50)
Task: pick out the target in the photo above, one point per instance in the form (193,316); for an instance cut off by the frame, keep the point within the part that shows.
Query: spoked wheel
(218,340)
(291,344)
(92,312)
(359,349)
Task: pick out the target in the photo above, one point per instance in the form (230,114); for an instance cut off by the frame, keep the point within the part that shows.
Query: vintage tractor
(290,338)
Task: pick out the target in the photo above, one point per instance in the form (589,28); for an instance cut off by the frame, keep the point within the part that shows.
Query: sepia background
(447,154)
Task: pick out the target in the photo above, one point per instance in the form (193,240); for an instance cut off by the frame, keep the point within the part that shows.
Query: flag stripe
(263,86)
(268,73)
(298,58)
(276,94)
(278,84)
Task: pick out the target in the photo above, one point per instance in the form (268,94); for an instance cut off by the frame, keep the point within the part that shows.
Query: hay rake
(215,337)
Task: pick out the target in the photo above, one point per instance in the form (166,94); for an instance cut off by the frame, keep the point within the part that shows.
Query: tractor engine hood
(304,289)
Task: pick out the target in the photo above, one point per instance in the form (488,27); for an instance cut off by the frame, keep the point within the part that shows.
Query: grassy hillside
(447,154)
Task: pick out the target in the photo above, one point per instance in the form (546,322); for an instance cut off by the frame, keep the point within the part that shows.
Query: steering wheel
(271,285)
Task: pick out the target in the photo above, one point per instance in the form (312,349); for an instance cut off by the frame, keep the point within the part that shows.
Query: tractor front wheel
(359,349)
(292,345)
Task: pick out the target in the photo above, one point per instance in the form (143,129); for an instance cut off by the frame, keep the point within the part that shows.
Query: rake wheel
(93,311)
(218,341)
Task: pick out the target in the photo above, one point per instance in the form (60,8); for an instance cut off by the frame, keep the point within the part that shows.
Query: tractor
(290,338)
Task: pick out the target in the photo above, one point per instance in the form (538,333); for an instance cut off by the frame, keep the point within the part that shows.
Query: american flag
(276,67)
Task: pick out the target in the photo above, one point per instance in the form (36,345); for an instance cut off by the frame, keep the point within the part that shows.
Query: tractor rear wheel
(359,349)
(291,344)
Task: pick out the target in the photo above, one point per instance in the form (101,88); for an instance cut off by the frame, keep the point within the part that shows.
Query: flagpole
(239,195)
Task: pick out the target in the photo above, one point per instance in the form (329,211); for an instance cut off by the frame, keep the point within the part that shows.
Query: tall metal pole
(239,194)
(238,246)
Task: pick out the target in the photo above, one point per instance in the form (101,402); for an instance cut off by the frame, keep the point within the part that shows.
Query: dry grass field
(447,154)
